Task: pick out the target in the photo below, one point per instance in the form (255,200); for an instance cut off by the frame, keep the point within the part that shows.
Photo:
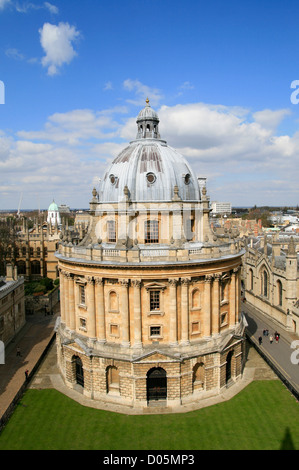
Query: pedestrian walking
(277,337)
(26,374)
(18,352)
(271,339)
(260,340)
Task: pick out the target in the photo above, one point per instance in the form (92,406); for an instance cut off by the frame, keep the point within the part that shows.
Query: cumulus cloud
(57,42)
(243,158)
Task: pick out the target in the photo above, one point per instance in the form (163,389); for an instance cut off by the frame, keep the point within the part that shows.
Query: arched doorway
(228,372)
(156,384)
(79,371)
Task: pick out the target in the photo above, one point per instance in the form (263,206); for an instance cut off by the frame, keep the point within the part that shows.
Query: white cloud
(270,119)
(245,162)
(57,42)
(4,3)
(52,8)
(142,92)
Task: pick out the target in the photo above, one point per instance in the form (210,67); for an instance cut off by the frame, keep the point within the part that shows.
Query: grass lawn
(263,416)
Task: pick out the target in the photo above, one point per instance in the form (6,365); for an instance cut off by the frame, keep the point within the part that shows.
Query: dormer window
(113,179)
(187,178)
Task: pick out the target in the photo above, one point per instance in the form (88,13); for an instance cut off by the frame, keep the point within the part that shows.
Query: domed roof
(147,113)
(148,169)
(53,207)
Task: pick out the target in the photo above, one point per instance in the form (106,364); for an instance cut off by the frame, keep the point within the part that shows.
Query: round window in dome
(187,178)
(113,179)
(151,178)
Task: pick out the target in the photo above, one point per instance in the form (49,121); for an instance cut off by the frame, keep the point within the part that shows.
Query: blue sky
(218,73)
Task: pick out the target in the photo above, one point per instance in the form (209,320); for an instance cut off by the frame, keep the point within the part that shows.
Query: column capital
(89,279)
(124,282)
(99,281)
(185,281)
(173,282)
(208,278)
(136,283)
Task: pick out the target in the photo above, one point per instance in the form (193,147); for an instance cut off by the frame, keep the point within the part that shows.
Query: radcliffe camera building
(150,298)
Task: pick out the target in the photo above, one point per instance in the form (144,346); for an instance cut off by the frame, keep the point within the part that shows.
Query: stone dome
(148,169)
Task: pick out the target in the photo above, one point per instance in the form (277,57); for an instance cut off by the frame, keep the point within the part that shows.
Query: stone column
(72,313)
(100,310)
(185,311)
(137,314)
(232,299)
(125,326)
(173,314)
(62,294)
(207,328)
(90,302)
(215,305)
(238,293)
(66,299)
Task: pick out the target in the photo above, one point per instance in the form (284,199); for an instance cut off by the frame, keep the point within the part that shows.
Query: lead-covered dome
(149,169)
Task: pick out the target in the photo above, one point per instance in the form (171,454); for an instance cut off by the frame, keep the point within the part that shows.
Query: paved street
(32,341)
(279,353)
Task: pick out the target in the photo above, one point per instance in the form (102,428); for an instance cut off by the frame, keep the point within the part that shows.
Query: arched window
(265,283)
(151,231)
(250,279)
(113,301)
(198,376)
(112,379)
(195,299)
(279,293)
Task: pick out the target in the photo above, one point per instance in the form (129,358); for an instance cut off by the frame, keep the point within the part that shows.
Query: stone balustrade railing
(98,253)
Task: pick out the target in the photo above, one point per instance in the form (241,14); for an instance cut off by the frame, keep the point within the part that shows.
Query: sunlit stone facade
(150,298)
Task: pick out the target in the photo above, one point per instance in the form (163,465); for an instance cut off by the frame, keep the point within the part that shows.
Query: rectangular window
(82,323)
(154,300)
(111,229)
(82,294)
(155,331)
(151,231)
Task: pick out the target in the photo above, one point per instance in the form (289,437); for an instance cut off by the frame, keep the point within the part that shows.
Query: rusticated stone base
(158,375)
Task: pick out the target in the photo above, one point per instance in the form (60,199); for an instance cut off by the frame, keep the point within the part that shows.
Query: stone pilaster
(207,326)
(125,326)
(72,313)
(137,314)
(185,311)
(62,295)
(216,305)
(100,310)
(90,301)
(232,299)
(173,314)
